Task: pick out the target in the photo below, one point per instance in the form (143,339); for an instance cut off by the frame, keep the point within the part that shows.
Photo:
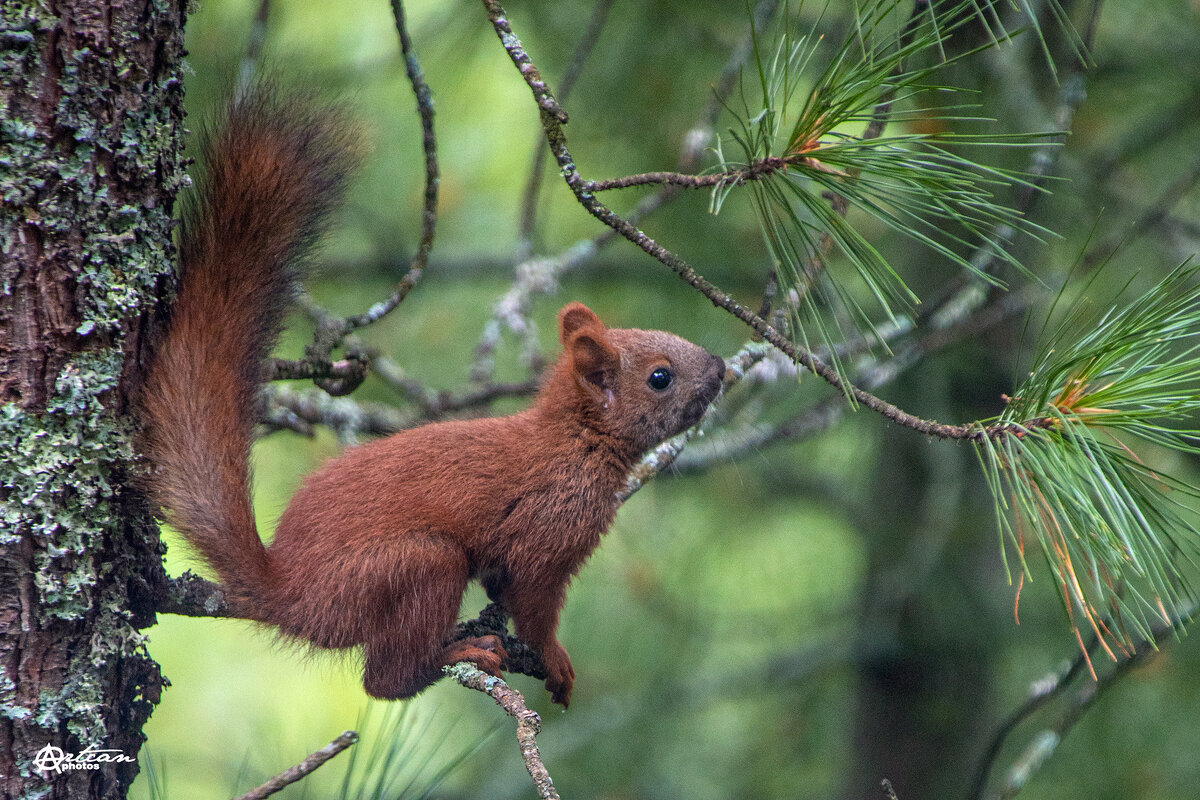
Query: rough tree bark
(90,160)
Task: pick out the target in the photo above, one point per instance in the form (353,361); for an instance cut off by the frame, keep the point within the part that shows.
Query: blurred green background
(801,622)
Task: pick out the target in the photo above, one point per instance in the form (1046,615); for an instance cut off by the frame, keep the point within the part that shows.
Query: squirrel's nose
(719,365)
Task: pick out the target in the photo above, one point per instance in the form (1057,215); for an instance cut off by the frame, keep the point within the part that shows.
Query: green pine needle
(1117,533)
(155,771)
(989,19)
(398,756)
(919,184)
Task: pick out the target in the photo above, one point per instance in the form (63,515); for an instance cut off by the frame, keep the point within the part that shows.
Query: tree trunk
(89,166)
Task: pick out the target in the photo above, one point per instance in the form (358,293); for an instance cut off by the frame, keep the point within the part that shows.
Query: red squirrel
(377,546)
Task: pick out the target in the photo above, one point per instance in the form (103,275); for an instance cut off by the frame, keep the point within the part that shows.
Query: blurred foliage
(728,632)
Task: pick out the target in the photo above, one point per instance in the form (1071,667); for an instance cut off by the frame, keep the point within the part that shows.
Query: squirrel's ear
(596,363)
(574,316)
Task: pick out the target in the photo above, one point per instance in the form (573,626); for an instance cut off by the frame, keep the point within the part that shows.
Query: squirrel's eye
(659,379)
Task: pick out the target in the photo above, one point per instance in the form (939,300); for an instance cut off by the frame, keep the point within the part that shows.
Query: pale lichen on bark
(90,120)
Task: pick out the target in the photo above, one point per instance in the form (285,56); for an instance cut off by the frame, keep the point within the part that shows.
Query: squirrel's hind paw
(485,652)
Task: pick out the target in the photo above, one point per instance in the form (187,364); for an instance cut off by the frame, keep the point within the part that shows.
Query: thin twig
(1045,742)
(539,275)
(424,97)
(587,42)
(1153,216)
(529,724)
(332,331)
(757,171)
(305,767)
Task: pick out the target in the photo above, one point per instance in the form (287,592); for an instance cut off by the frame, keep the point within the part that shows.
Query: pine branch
(919,184)
(539,275)
(552,122)
(1023,450)
(1115,530)
(757,170)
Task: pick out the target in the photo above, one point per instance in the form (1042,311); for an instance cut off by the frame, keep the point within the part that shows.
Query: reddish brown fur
(377,546)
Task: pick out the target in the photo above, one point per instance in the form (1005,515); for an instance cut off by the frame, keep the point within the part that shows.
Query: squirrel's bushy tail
(274,167)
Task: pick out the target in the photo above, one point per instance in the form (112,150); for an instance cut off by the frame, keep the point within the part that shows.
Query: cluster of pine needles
(913,175)
(826,135)
(1117,531)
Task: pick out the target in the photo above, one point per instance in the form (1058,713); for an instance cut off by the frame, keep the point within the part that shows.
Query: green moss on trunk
(90,162)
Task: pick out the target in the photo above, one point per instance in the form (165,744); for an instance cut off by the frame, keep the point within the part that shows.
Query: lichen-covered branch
(529,724)
(189,595)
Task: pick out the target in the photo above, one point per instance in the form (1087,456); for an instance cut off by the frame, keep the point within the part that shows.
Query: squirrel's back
(274,167)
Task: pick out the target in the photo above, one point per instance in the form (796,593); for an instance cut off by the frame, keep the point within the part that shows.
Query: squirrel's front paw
(560,675)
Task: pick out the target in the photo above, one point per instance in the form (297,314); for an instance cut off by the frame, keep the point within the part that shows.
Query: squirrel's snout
(714,374)
(718,364)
